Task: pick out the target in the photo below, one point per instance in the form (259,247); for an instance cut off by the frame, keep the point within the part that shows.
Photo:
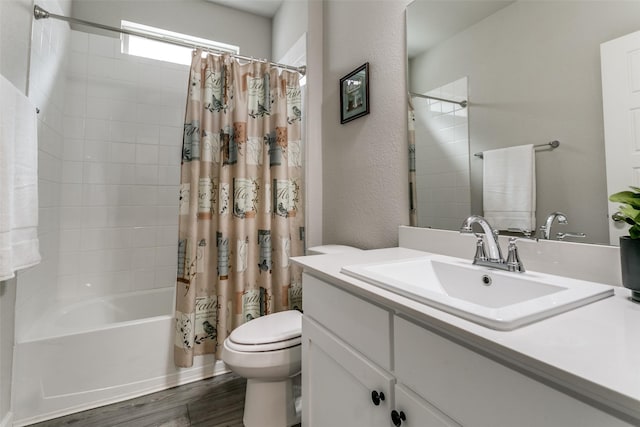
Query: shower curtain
(241,215)
(411,136)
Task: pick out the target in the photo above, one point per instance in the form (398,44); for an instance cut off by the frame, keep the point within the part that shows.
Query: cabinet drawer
(365,326)
(477,391)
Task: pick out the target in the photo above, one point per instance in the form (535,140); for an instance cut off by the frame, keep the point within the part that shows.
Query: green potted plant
(629,212)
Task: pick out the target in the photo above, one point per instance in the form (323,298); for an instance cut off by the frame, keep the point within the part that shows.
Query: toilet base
(269,404)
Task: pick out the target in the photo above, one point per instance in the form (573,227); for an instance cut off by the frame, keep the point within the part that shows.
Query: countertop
(592,352)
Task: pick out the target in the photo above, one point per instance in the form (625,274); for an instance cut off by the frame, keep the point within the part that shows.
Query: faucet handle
(513,258)
(480,252)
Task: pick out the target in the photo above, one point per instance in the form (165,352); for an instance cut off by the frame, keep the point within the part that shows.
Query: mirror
(530,71)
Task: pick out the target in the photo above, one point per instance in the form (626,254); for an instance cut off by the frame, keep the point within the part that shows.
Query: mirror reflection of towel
(509,188)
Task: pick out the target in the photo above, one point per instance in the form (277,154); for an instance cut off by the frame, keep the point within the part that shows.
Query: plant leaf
(627,197)
(634,232)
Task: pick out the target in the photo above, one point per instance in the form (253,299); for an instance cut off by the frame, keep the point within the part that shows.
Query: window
(147,48)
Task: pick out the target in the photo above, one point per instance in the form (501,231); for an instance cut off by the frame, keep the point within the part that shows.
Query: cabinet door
(338,383)
(418,412)
(480,392)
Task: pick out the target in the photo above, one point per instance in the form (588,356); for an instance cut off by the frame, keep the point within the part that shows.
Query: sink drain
(486,280)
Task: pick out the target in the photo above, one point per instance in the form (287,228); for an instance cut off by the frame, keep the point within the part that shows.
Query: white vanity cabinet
(354,350)
(347,354)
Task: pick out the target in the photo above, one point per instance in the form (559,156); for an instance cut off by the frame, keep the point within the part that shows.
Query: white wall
(534,76)
(365,162)
(198,18)
(289,24)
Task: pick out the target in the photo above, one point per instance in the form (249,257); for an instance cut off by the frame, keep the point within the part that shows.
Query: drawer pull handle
(377,397)
(398,417)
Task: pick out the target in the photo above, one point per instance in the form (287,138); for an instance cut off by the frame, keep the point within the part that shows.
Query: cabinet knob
(398,417)
(377,397)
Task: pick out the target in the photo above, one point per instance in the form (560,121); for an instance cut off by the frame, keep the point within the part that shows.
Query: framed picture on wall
(354,94)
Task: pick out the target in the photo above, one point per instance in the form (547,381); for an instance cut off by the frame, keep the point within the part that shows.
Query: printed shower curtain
(240,201)
(411,137)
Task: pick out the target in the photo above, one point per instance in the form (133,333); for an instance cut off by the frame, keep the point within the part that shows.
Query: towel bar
(551,145)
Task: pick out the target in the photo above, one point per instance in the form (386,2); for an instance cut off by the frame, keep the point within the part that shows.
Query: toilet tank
(331,249)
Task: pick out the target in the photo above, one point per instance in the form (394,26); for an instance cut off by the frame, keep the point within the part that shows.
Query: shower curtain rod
(550,145)
(462,103)
(40,13)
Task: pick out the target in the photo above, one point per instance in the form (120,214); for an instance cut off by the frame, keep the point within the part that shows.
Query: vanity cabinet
(355,350)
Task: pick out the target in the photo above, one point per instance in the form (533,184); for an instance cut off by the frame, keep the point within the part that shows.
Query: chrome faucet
(494,258)
(545,230)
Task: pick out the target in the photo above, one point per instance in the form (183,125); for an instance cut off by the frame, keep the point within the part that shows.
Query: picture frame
(354,94)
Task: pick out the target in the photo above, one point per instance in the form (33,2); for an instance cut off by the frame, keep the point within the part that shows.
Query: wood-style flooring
(215,402)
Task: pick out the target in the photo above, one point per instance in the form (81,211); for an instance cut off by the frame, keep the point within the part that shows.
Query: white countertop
(592,352)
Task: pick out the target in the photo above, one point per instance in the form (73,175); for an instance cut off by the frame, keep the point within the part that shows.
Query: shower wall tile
(144,280)
(147,154)
(165,276)
(119,168)
(168,195)
(166,256)
(168,175)
(97,151)
(167,235)
(102,46)
(71,195)
(168,155)
(147,134)
(144,195)
(46,88)
(170,135)
(442,143)
(144,237)
(79,42)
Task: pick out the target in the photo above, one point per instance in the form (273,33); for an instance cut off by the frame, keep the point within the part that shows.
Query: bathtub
(92,353)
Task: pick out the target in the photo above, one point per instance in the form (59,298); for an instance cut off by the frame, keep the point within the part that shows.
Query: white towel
(18,181)
(509,188)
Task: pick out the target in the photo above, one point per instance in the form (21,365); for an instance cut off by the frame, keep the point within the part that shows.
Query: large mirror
(530,71)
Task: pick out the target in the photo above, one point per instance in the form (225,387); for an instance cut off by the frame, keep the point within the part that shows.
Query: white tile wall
(442,143)
(50,38)
(120,170)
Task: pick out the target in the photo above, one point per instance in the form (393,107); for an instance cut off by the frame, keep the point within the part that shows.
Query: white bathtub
(97,352)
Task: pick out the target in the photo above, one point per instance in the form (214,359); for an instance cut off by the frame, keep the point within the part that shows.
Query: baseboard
(7,420)
(157,384)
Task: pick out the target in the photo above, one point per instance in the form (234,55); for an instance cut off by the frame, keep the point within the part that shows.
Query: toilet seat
(268,333)
(256,348)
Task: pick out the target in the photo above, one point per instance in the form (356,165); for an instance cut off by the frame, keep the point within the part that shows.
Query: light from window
(161,51)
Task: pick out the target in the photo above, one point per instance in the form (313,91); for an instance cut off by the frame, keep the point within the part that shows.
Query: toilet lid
(271,332)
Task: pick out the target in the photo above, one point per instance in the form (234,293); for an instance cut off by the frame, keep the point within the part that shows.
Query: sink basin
(493,298)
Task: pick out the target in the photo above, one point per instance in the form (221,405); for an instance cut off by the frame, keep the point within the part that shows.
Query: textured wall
(365,162)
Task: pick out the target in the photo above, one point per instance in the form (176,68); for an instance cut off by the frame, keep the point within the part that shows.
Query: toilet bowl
(267,352)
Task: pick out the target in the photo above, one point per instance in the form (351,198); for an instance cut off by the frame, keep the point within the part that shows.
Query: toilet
(267,351)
